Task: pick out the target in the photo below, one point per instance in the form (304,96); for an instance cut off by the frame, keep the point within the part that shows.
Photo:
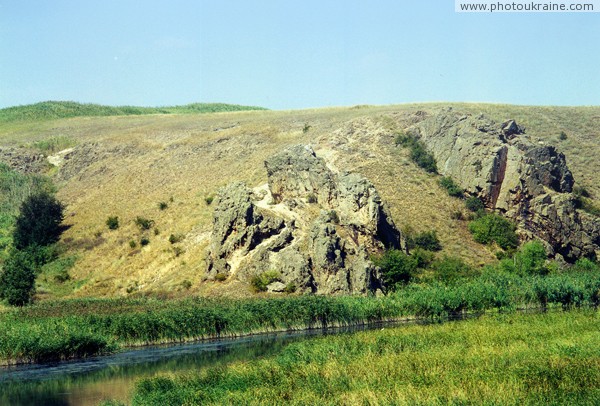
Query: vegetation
(53,144)
(39,221)
(112,222)
(17,280)
(163,205)
(62,109)
(584,201)
(474,204)
(562,136)
(493,228)
(144,223)
(452,188)
(418,152)
(427,240)
(512,359)
(209,199)
(260,282)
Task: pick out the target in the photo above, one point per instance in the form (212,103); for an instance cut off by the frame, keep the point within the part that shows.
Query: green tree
(494,228)
(397,268)
(39,221)
(17,280)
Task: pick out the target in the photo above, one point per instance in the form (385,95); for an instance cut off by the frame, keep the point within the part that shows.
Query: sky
(284,54)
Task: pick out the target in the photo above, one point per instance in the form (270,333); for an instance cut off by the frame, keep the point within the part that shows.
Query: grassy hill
(165,166)
(50,110)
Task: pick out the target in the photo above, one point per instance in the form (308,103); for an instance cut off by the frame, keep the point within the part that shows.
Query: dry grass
(139,161)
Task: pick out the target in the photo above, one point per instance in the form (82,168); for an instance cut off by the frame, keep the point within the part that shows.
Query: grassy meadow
(504,359)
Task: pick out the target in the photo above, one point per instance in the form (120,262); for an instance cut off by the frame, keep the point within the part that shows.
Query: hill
(167,168)
(50,110)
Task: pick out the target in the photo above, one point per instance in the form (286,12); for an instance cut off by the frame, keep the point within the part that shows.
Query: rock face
(315,227)
(527,182)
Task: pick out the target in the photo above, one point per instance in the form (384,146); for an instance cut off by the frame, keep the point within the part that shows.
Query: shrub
(132,244)
(397,268)
(144,241)
(562,136)
(311,198)
(177,251)
(531,259)
(39,221)
(163,206)
(290,288)
(418,152)
(221,277)
(306,128)
(175,238)
(474,204)
(492,228)
(261,281)
(186,284)
(144,223)
(17,280)
(112,222)
(209,200)
(452,188)
(585,265)
(451,269)
(333,216)
(427,240)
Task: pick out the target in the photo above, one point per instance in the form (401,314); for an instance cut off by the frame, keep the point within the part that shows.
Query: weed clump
(260,282)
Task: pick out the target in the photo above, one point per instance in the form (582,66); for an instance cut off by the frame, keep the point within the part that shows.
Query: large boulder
(316,228)
(527,182)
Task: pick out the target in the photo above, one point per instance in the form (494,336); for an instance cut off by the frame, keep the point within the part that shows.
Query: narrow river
(89,381)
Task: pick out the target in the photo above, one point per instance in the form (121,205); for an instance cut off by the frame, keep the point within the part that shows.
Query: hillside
(168,167)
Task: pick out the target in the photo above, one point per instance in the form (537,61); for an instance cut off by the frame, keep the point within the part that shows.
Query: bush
(39,221)
(492,228)
(144,241)
(144,223)
(175,238)
(418,152)
(311,198)
(290,288)
(452,188)
(163,206)
(209,200)
(260,282)
(221,277)
(17,280)
(112,222)
(397,268)
(562,136)
(474,204)
(132,244)
(451,269)
(531,259)
(427,240)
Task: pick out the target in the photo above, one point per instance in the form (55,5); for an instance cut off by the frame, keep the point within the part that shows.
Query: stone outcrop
(24,160)
(315,227)
(527,182)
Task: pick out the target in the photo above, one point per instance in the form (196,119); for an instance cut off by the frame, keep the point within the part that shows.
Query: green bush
(17,280)
(427,240)
(451,269)
(492,228)
(418,152)
(112,222)
(132,244)
(311,198)
(397,268)
(39,221)
(221,277)
(144,241)
(531,259)
(209,200)
(175,238)
(261,281)
(474,204)
(452,188)
(144,223)
(163,206)
(562,136)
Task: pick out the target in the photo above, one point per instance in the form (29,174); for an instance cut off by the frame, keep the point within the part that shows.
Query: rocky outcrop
(527,182)
(314,227)
(24,160)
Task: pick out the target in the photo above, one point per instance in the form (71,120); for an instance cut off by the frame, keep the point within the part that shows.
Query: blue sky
(292,54)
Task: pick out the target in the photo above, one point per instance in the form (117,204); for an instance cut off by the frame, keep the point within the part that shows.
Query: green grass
(49,110)
(112,323)
(515,359)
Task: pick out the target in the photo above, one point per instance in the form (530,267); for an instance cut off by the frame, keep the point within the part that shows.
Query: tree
(17,281)
(397,268)
(39,221)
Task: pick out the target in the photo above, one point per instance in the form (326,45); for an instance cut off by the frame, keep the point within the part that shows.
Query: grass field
(504,359)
